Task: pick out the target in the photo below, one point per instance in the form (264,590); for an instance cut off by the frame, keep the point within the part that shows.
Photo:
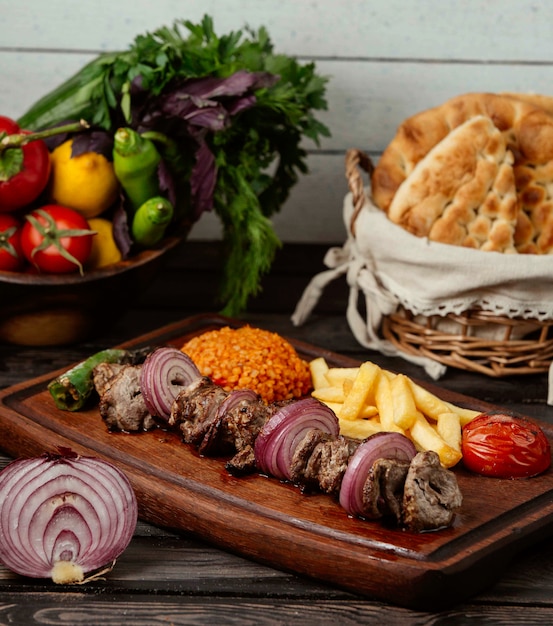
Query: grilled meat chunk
(241,425)
(195,408)
(431,494)
(196,412)
(328,462)
(102,375)
(303,453)
(121,405)
(383,489)
(214,440)
(242,463)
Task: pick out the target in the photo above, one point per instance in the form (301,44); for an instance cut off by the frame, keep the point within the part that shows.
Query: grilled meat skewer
(419,496)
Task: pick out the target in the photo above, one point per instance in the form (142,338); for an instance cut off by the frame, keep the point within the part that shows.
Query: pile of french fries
(369,399)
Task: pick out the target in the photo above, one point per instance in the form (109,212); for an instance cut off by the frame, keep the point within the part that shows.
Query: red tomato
(56,239)
(24,170)
(11,254)
(505,446)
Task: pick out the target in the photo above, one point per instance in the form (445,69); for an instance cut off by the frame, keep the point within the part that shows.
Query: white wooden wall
(386,59)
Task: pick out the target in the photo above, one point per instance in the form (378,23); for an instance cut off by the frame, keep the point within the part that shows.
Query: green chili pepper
(72,389)
(135,161)
(151,220)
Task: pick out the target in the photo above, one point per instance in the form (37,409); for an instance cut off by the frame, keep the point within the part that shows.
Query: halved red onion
(63,516)
(276,443)
(383,445)
(165,372)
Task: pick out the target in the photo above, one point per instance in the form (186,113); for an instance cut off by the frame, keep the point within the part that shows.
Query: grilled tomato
(505,446)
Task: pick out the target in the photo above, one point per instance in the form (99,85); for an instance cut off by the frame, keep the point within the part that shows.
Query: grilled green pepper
(73,388)
(151,220)
(135,161)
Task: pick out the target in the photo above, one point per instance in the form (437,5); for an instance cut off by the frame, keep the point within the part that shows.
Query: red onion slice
(63,516)
(214,438)
(165,372)
(234,399)
(384,445)
(275,445)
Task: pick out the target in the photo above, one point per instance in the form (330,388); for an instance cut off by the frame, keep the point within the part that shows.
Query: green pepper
(135,161)
(151,220)
(72,389)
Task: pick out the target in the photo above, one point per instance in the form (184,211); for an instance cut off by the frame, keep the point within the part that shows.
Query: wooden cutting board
(274,523)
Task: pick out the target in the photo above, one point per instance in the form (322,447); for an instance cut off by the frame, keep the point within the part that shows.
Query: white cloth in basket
(390,267)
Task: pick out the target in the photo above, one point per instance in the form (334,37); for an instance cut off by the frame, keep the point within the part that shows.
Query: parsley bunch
(236,145)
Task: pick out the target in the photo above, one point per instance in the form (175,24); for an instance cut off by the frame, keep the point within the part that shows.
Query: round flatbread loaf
(526,125)
(463,191)
(535,99)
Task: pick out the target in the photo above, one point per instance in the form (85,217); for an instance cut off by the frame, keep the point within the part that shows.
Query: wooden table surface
(168,578)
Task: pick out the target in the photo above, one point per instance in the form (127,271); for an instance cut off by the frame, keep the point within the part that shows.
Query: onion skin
(165,372)
(283,432)
(63,516)
(383,445)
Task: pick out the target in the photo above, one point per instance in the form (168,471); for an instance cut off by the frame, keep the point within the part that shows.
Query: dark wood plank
(196,582)
(274,523)
(107,609)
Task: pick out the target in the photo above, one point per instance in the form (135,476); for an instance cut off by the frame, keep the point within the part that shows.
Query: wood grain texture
(385,61)
(393,30)
(115,610)
(170,577)
(274,523)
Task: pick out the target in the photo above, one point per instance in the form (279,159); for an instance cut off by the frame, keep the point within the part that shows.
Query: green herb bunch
(237,151)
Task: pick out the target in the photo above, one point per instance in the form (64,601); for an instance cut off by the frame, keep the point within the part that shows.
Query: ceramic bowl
(49,310)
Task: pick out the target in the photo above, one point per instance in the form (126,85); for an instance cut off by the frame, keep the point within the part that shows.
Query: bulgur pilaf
(250,358)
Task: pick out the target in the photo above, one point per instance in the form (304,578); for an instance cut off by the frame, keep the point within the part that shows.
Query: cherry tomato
(504,446)
(24,170)
(11,253)
(56,239)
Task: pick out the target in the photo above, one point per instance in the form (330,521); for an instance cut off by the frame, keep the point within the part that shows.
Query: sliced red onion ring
(234,399)
(384,445)
(165,372)
(280,436)
(63,516)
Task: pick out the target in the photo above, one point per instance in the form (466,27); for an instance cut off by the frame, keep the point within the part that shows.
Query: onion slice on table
(383,445)
(165,372)
(63,516)
(276,443)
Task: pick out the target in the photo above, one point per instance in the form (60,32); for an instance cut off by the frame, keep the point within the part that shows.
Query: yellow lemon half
(86,183)
(104,249)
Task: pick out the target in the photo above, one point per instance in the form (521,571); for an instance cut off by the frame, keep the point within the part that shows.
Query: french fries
(319,369)
(426,437)
(405,409)
(369,399)
(360,393)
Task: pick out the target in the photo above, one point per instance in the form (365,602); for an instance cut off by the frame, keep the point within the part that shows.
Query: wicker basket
(475,340)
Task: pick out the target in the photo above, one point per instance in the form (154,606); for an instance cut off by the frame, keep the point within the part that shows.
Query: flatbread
(526,124)
(463,191)
(535,99)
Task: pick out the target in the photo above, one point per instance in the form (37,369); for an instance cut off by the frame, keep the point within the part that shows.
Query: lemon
(104,249)
(86,183)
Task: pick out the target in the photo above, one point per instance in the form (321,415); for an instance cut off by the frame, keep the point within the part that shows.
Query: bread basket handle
(357,161)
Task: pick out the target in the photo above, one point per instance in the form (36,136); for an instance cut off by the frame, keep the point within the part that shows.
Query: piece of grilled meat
(430,494)
(121,404)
